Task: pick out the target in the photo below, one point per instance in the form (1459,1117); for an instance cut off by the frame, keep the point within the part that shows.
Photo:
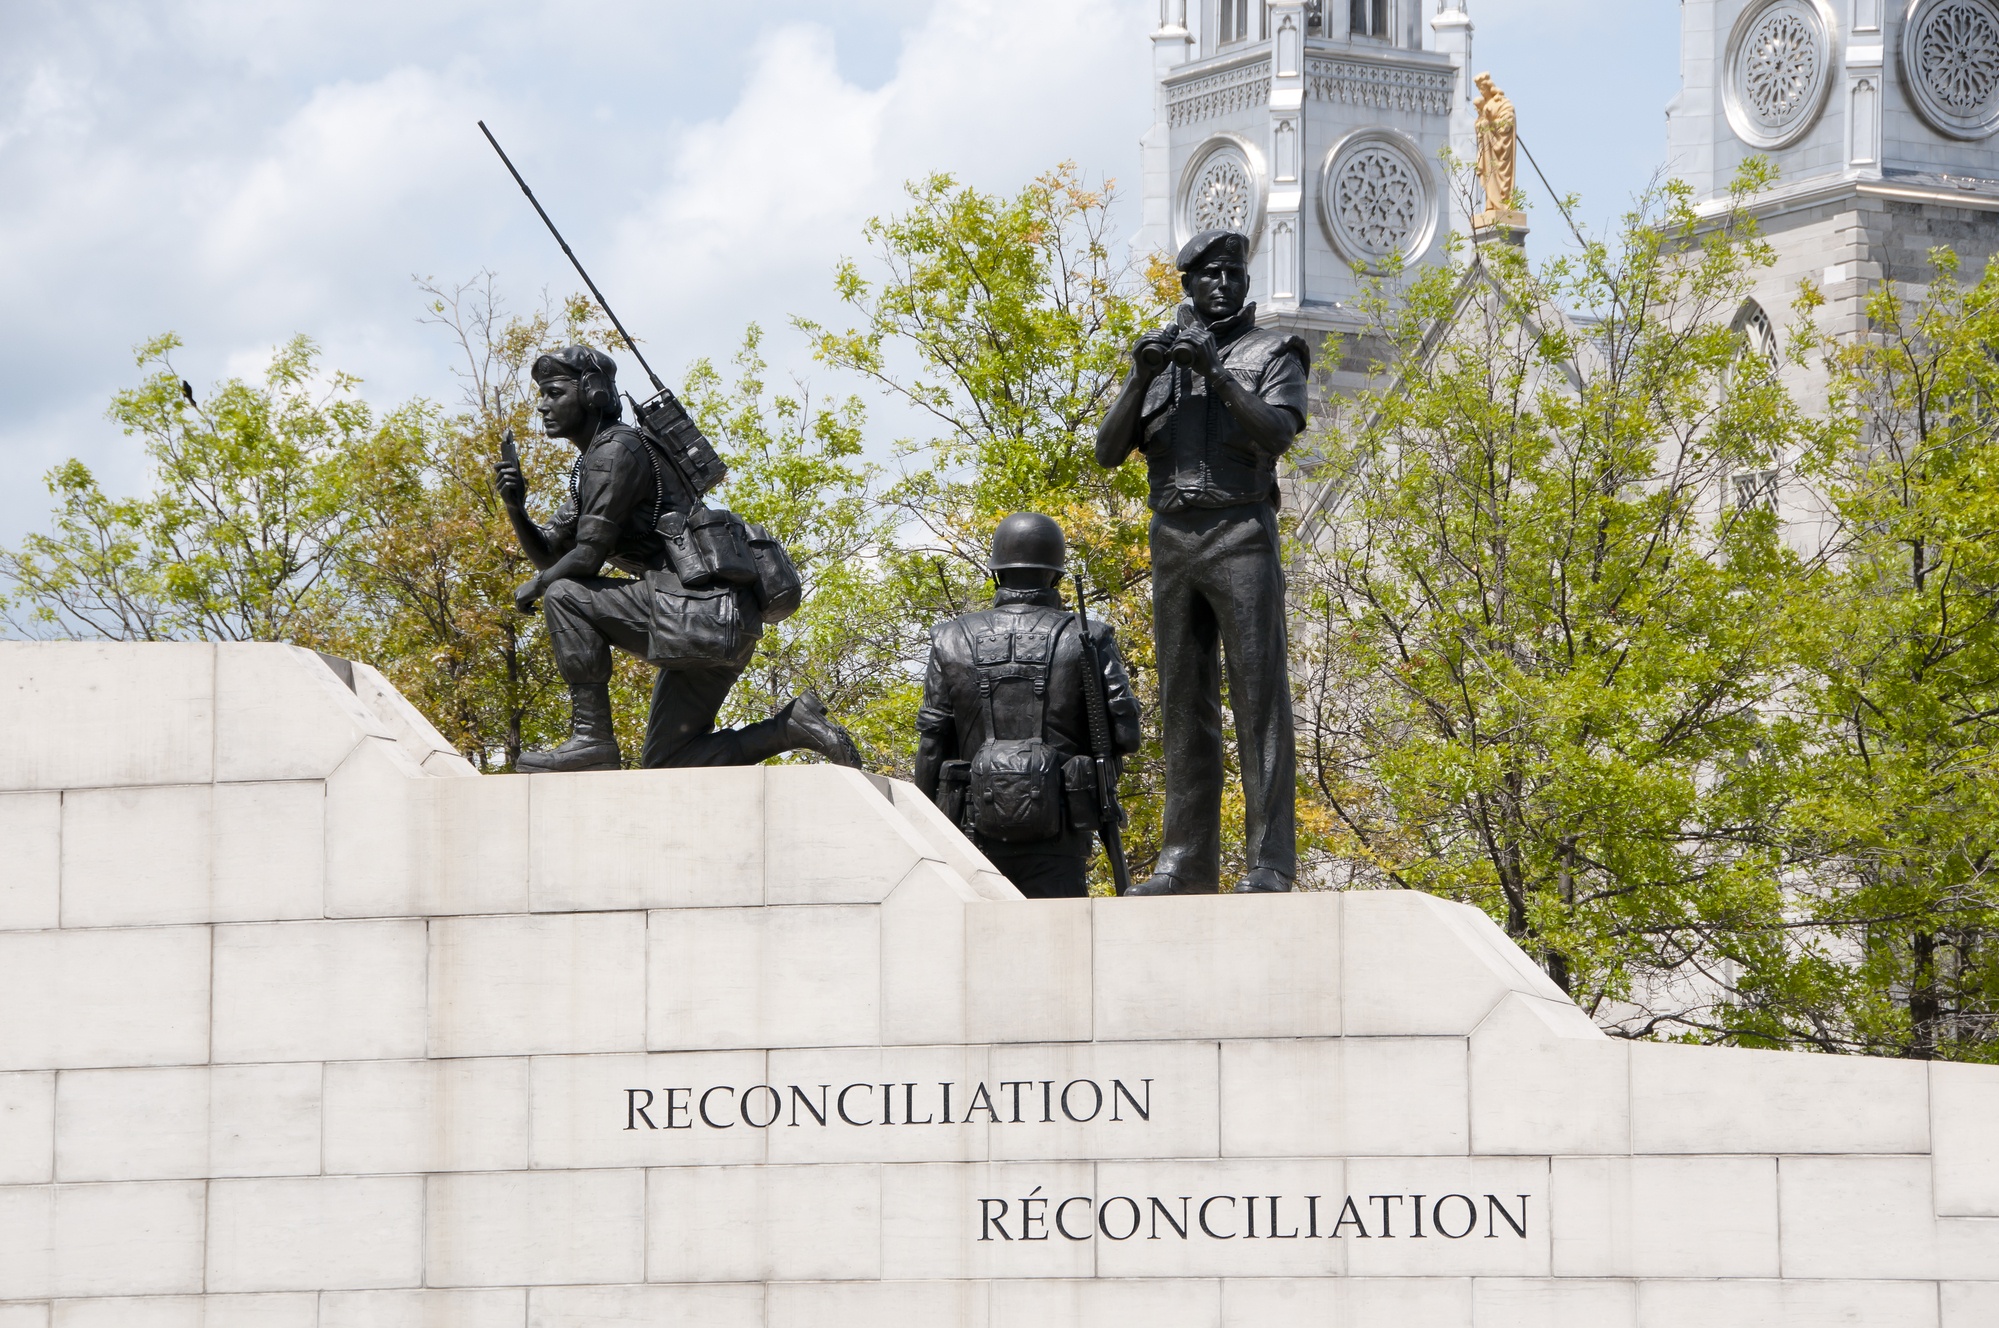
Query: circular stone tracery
(1375,199)
(1223,197)
(1778,63)
(1950,64)
(1221,189)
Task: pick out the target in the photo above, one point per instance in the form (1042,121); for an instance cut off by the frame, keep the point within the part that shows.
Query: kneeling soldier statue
(1005,743)
(629,507)
(1213,401)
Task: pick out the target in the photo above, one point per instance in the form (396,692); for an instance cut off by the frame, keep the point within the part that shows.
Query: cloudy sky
(237,170)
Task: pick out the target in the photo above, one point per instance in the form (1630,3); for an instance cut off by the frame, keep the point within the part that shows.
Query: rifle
(1110,828)
(685,446)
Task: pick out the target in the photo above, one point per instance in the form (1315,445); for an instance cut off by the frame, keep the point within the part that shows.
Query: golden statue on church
(1498,142)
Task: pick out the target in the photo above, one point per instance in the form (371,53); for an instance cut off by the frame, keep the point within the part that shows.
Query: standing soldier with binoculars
(1213,401)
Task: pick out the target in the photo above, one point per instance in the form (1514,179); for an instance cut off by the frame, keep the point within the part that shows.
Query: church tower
(1878,115)
(1315,126)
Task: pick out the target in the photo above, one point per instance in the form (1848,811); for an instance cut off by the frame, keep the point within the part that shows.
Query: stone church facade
(1318,126)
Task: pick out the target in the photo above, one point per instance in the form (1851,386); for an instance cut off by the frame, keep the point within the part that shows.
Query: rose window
(1778,60)
(1375,198)
(1950,63)
(1223,197)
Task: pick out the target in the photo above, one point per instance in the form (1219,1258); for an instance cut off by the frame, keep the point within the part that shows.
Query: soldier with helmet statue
(1003,741)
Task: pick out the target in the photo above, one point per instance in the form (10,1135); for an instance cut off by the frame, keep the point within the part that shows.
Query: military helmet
(1028,539)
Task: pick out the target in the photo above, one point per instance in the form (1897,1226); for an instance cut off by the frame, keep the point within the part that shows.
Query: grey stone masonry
(304,1025)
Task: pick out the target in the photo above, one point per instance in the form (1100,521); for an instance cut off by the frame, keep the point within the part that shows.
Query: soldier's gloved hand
(1149,352)
(513,485)
(526,593)
(1198,344)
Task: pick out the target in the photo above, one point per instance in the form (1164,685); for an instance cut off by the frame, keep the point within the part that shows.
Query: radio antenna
(602,303)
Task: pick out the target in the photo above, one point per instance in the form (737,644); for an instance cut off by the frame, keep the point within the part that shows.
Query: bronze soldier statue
(623,493)
(1003,740)
(1213,401)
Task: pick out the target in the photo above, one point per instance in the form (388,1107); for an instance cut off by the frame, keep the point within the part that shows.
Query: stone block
(1349,1302)
(127,1239)
(947,843)
(1727,1100)
(386,1117)
(269,859)
(593,1111)
(1560,1302)
(1027,970)
(282,713)
(936,1223)
(1964,1104)
(27,1128)
(406,724)
(868,1122)
(136,856)
(635,839)
(424,1309)
(1176,1303)
(769,1223)
(289,1310)
(325,1233)
(1961,1305)
(1540,1084)
(512,1227)
(1665,1217)
(1858,1217)
(1227,1211)
(102,714)
(764,977)
(873,1304)
(319,991)
(693,1306)
(400,843)
(832,838)
(24,1315)
(923,957)
(1105,1100)
(27,1233)
(1283,1098)
(111,997)
(1404,1096)
(187,1123)
(1217,966)
(511,986)
(1481,1216)
(30,878)
(1392,934)
(1743,1303)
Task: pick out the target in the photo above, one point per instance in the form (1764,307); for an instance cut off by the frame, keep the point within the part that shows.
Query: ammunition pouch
(1079,792)
(698,627)
(778,585)
(953,777)
(708,546)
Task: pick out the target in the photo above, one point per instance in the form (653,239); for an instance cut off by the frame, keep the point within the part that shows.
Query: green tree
(1896,947)
(1538,644)
(240,538)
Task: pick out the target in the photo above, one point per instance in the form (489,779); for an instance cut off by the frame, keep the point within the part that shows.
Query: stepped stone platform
(305,1025)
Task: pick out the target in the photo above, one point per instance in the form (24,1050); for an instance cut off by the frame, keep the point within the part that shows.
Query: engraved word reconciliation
(763,1106)
(1237,1217)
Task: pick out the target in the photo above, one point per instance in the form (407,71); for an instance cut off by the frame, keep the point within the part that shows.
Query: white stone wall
(303,1025)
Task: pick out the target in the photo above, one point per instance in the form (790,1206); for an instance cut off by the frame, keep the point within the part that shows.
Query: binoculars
(1153,356)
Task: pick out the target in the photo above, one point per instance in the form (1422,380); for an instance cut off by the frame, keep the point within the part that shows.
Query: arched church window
(1369,18)
(1758,336)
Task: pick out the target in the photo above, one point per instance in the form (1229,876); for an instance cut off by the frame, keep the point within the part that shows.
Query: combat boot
(1160,883)
(592,744)
(806,725)
(1263,881)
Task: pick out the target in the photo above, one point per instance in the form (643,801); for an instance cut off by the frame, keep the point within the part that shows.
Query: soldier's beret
(573,362)
(1234,244)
